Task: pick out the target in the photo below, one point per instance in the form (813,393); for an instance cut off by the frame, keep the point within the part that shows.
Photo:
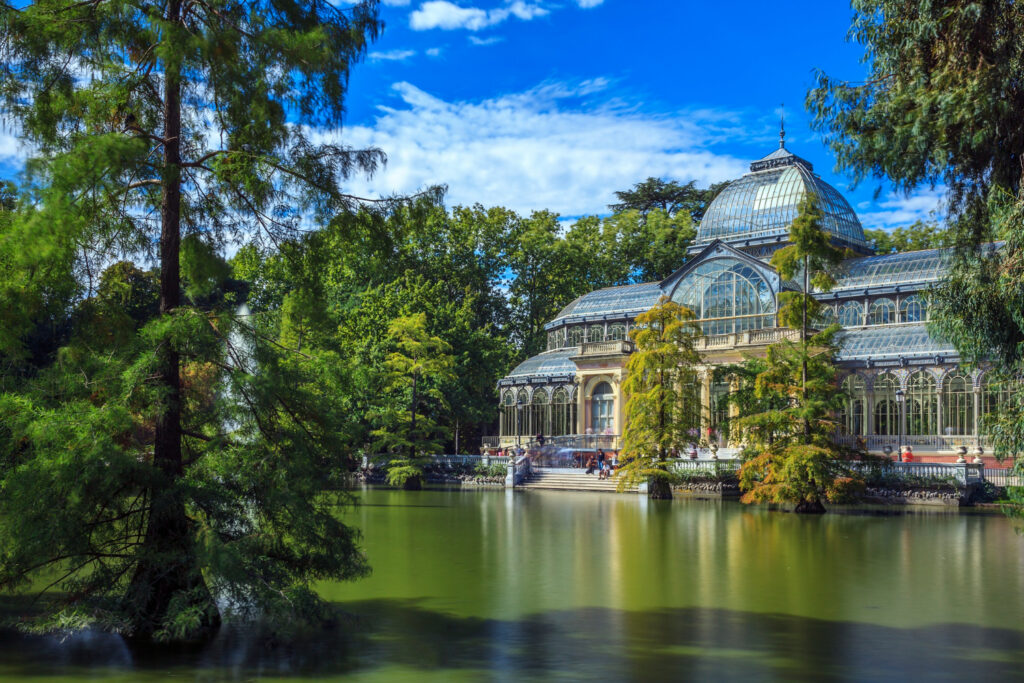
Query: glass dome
(727,296)
(764,202)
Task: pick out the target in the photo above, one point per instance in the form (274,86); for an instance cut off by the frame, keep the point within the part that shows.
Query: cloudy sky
(555,104)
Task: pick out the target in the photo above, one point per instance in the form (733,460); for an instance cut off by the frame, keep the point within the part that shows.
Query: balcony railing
(606,348)
(926,442)
(748,338)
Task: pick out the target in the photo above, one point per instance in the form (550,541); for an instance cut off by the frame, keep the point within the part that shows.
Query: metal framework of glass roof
(764,202)
(612,300)
(888,270)
(891,341)
(547,364)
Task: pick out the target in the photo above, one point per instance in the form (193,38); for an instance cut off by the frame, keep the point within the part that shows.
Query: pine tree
(158,471)
(662,395)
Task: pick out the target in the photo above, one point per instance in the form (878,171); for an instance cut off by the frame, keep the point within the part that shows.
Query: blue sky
(555,104)
(552,104)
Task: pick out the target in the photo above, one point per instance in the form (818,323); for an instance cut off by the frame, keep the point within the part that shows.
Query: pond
(494,585)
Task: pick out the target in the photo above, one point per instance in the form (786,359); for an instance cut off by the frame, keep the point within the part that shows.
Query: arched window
(616,332)
(913,310)
(851,314)
(883,312)
(574,336)
(828,315)
(563,413)
(728,295)
(957,405)
(922,405)
(602,403)
(540,413)
(995,395)
(595,333)
(522,413)
(508,414)
(852,420)
(719,408)
(887,415)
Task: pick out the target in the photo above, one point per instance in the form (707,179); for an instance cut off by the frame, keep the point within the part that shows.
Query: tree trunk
(412,421)
(803,345)
(413,484)
(658,488)
(805,507)
(167,566)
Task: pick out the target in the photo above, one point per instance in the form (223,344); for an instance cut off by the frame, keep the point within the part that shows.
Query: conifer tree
(662,395)
(184,468)
(414,371)
(793,457)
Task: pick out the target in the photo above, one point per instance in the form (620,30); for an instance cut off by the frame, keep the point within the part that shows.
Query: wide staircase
(565,479)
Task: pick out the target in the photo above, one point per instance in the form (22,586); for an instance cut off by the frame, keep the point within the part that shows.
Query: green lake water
(491,585)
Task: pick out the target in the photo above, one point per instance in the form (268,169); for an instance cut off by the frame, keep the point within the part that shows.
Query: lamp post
(901,402)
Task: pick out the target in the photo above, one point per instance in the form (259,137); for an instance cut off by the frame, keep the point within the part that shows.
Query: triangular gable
(719,249)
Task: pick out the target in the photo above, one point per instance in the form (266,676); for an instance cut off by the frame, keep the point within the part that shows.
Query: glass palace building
(901,381)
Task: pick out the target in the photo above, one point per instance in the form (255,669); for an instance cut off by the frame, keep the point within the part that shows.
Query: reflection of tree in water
(694,643)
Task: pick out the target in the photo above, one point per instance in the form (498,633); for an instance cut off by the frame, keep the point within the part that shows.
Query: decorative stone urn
(978,452)
(714,451)
(961,455)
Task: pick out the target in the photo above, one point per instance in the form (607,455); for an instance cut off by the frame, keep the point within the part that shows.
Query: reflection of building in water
(574,387)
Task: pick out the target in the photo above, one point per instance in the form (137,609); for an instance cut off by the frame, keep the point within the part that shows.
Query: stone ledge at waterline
(469,478)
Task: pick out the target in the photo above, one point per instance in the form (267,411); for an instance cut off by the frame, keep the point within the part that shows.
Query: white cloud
(405,3)
(446,15)
(392,55)
(898,210)
(490,40)
(433,52)
(13,151)
(586,4)
(547,148)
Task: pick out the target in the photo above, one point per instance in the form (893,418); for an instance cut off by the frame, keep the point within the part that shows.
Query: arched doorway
(602,405)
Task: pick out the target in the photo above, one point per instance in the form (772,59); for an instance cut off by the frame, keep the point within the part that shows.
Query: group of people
(602,464)
(511,452)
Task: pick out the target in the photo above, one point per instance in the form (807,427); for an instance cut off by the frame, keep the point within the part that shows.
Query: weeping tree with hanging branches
(179,474)
(662,395)
(792,456)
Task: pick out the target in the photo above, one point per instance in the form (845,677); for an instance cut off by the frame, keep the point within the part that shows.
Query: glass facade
(764,203)
(893,269)
(602,402)
(886,411)
(883,312)
(852,419)
(851,314)
(727,295)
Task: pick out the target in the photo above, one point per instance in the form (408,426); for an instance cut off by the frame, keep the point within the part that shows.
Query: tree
(668,196)
(177,488)
(419,363)
(915,237)
(941,105)
(652,247)
(795,459)
(662,395)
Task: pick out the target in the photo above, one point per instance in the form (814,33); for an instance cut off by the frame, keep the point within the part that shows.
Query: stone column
(581,411)
(976,395)
(705,399)
(869,412)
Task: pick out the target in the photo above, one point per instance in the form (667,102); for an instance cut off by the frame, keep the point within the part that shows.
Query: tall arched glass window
(887,415)
(561,422)
(595,333)
(995,394)
(913,310)
(827,317)
(616,332)
(574,336)
(957,405)
(883,312)
(727,295)
(540,413)
(602,403)
(522,413)
(719,406)
(851,314)
(922,405)
(508,414)
(852,420)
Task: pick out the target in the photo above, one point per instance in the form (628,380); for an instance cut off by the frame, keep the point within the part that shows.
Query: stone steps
(572,481)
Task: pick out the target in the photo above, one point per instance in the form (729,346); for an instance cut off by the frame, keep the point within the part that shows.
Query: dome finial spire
(782,127)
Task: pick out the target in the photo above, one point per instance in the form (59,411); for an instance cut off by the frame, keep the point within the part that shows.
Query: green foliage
(915,237)
(415,371)
(158,454)
(669,197)
(941,105)
(662,394)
